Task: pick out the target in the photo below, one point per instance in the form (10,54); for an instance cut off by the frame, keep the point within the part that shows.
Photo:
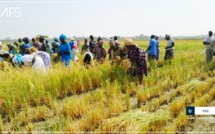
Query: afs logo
(10,12)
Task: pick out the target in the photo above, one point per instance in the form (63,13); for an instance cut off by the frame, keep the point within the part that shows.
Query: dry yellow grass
(98,98)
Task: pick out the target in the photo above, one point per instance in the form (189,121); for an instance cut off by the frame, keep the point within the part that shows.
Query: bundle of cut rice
(125,64)
(4,66)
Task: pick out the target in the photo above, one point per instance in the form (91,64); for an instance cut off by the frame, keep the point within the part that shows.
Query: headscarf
(100,42)
(56,40)
(54,44)
(17,59)
(111,43)
(26,40)
(62,37)
(128,41)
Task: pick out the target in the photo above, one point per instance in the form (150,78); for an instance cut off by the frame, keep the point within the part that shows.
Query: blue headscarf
(56,40)
(62,37)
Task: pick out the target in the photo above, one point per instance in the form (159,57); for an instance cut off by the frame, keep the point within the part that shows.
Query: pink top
(75,46)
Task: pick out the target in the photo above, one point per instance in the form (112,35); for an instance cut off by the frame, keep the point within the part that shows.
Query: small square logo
(190,110)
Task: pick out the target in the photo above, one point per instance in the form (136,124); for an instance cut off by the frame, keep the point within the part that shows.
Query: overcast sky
(107,17)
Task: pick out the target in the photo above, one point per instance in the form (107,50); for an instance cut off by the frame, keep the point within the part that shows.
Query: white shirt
(209,40)
(89,54)
(169,43)
(0,46)
(27,60)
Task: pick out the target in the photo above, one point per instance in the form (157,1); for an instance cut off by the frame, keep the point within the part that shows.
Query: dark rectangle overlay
(190,110)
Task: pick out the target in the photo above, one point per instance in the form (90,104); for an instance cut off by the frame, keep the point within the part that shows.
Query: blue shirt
(63,49)
(153,44)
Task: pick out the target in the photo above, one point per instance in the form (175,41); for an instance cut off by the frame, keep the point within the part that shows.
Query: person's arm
(148,48)
(82,49)
(150,45)
(172,45)
(68,51)
(206,43)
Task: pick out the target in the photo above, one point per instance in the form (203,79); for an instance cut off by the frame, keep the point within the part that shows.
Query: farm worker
(55,45)
(42,44)
(74,47)
(85,47)
(25,46)
(115,50)
(1,51)
(65,50)
(116,42)
(99,51)
(152,49)
(29,60)
(92,44)
(138,59)
(88,58)
(12,48)
(169,48)
(20,43)
(1,46)
(115,38)
(209,46)
(158,50)
(56,50)
(33,41)
(44,55)
(48,47)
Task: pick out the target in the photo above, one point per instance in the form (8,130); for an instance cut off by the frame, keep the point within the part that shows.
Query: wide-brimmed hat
(128,41)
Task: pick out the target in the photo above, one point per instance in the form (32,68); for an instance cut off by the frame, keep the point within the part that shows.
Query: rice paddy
(104,99)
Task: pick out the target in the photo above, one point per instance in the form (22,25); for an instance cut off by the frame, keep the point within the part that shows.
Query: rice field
(104,99)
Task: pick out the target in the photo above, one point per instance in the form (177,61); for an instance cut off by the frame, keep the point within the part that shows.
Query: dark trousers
(169,54)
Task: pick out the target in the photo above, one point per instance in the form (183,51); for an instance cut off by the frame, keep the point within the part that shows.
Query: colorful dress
(138,59)
(45,56)
(99,53)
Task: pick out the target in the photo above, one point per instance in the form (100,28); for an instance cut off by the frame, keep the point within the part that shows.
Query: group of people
(38,52)
(154,51)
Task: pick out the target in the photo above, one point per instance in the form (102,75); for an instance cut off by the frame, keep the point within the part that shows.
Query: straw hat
(128,41)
